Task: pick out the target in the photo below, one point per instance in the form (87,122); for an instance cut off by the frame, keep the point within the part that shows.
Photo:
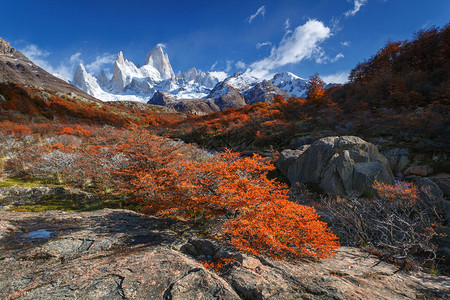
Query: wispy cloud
(302,44)
(339,77)
(335,21)
(287,24)
(39,56)
(214,65)
(96,66)
(66,68)
(337,57)
(229,66)
(322,58)
(259,45)
(345,44)
(261,11)
(240,65)
(33,52)
(357,4)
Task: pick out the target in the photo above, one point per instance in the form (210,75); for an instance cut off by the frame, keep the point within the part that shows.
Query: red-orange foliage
(404,192)
(78,130)
(282,228)
(50,105)
(219,264)
(315,93)
(403,74)
(252,125)
(8,127)
(160,180)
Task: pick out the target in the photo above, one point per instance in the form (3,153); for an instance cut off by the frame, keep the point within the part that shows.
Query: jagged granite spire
(160,61)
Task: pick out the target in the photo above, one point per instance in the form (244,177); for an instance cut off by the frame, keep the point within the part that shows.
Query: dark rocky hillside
(18,69)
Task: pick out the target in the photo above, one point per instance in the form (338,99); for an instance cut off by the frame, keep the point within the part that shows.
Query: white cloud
(340,77)
(259,45)
(33,52)
(261,11)
(337,57)
(240,65)
(302,44)
(37,55)
(322,58)
(214,65)
(357,4)
(345,44)
(64,70)
(287,24)
(96,66)
(75,58)
(229,65)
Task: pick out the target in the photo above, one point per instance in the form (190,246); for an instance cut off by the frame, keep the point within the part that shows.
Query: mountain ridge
(156,75)
(17,68)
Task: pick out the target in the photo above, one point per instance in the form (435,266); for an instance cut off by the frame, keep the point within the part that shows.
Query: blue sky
(263,37)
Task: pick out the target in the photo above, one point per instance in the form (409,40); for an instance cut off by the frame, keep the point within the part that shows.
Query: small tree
(315,93)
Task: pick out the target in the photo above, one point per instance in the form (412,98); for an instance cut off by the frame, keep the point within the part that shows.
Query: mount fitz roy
(194,91)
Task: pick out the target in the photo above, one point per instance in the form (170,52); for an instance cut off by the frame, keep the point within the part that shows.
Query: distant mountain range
(156,83)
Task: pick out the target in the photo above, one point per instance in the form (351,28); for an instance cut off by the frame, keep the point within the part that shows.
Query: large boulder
(288,157)
(344,166)
(398,159)
(423,170)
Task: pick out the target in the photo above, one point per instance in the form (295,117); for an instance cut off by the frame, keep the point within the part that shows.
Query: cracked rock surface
(120,254)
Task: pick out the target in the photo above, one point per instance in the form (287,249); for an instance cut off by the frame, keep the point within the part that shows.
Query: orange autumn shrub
(218,264)
(282,228)
(7,127)
(78,130)
(401,192)
(159,178)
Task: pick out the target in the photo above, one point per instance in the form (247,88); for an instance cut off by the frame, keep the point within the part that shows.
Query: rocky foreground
(120,254)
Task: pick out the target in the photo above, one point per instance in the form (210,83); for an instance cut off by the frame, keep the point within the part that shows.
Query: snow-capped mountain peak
(290,83)
(160,61)
(130,82)
(242,81)
(86,81)
(120,59)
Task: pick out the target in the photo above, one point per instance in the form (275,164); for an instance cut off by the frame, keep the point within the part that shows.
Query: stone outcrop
(7,49)
(422,170)
(398,159)
(198,107)
(287,158)
(19,196)
(191,106)
(344,166)
(119,254)
(299,142)
(162,98)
